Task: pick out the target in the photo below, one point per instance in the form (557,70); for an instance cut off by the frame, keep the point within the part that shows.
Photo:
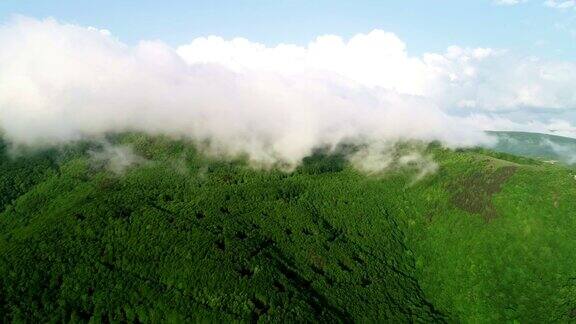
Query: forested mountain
(177,235)
(551,148)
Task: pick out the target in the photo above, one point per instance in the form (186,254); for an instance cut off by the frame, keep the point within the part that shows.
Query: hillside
(183,236)
(546,147)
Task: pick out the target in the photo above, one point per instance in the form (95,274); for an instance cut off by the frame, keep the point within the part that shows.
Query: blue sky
(527,28)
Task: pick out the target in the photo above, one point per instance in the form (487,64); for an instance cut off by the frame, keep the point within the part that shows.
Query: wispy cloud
(560,4)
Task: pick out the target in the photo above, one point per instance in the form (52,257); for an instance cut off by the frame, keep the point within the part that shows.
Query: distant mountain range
(544,147)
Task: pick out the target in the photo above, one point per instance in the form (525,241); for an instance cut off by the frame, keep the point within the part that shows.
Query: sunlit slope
(187,237)
(493,238)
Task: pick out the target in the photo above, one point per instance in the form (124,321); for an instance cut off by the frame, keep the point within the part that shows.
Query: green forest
(189,237)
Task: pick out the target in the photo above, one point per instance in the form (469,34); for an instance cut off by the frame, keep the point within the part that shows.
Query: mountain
(176,235)
(551,148)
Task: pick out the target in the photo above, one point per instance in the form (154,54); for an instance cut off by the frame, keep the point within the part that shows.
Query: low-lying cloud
(61,82)
(115,158)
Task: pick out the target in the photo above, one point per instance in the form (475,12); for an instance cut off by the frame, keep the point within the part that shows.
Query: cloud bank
(61,82)
(482,78)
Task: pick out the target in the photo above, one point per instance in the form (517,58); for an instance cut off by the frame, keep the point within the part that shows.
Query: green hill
(185,237)
(551,148)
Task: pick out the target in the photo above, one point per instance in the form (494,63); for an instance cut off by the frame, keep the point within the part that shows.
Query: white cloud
(104,32)
(560,4)
(375,59)
(61,82)
(481,78)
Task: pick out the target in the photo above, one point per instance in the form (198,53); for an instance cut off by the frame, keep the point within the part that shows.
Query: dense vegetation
(184,236)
